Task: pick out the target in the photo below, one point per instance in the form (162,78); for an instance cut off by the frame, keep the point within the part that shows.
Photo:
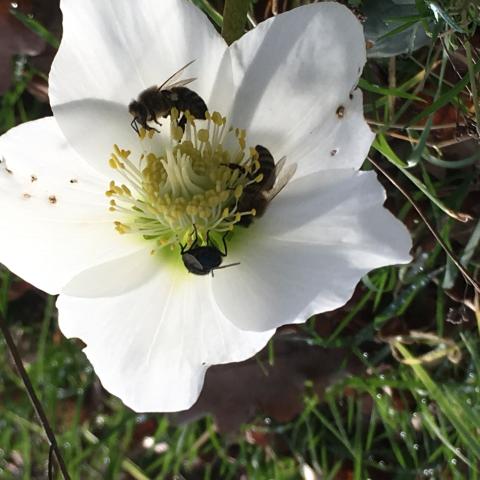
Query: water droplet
(148,442)
(267,420)
(382,377)
(140,418)
(453,461)
(416,446)
(379,396)
(365,354)
(403,435)
(14,4)
(381,463)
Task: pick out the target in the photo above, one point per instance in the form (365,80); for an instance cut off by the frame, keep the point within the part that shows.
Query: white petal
(152,345)
(92,127)
(314,243)
(115,276)
(114,49)
(292,73)
(55,222)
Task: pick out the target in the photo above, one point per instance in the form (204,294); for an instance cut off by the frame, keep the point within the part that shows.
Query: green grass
(412,415)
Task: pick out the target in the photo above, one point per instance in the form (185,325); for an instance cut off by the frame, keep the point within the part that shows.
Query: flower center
(186,187)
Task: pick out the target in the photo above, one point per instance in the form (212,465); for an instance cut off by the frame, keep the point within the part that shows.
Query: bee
(202,260)
(158,101)
(258,195)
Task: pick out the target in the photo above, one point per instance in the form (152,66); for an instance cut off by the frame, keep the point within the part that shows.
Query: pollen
(187,179)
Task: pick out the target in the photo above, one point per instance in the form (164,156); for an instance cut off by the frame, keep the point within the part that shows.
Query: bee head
(137,110)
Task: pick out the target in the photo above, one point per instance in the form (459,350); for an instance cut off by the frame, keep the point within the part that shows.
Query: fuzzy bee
(258,195)
(157,102)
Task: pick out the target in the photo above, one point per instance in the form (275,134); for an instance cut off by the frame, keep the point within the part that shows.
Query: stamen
(191,182)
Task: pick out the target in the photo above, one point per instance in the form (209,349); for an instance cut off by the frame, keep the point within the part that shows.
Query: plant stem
(33,398)
(473,85)
(234,19)
(468,278)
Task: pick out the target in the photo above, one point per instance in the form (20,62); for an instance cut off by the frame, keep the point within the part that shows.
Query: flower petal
(114,49)
(115,277)
(152,345)
(56,221)
(294,75)
(305,256)
(93,126)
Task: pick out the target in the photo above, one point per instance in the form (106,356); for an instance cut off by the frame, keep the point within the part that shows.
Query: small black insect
(202,260)
(258,195)
(158,101)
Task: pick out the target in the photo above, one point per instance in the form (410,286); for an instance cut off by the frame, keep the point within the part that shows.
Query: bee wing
(279,166)
(171,80)
(282,181)
(180,83)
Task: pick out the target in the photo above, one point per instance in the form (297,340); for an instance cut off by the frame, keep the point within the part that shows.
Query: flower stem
(234,19)
(466,275)
(35,402)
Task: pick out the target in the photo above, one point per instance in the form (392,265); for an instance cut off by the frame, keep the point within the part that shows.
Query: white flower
(151,328)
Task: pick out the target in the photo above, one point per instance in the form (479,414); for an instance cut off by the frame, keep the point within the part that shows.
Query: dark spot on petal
(8,171)
(333,152)
(26,195)
(33,178)
(350,96)
(340,111)
(203,363)
(73,180)
(52,199)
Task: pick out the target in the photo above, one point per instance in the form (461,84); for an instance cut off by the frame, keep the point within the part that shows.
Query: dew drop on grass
(453,461)
(403,435)
(416,446)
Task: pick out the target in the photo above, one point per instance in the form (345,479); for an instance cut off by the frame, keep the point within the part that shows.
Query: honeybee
(258,195)
(158,101)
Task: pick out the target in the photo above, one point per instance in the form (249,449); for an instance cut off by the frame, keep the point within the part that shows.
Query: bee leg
(134,125)
(149,128)
(224,244)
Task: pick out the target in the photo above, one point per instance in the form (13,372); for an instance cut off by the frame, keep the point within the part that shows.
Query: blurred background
(386,387)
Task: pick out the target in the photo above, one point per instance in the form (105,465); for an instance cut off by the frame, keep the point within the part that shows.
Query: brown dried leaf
(236,392)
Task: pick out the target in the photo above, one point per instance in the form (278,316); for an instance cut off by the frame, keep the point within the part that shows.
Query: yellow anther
(238,191)
(174,114)
(259,178)
(203,135)
(217,119)
(177,133)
